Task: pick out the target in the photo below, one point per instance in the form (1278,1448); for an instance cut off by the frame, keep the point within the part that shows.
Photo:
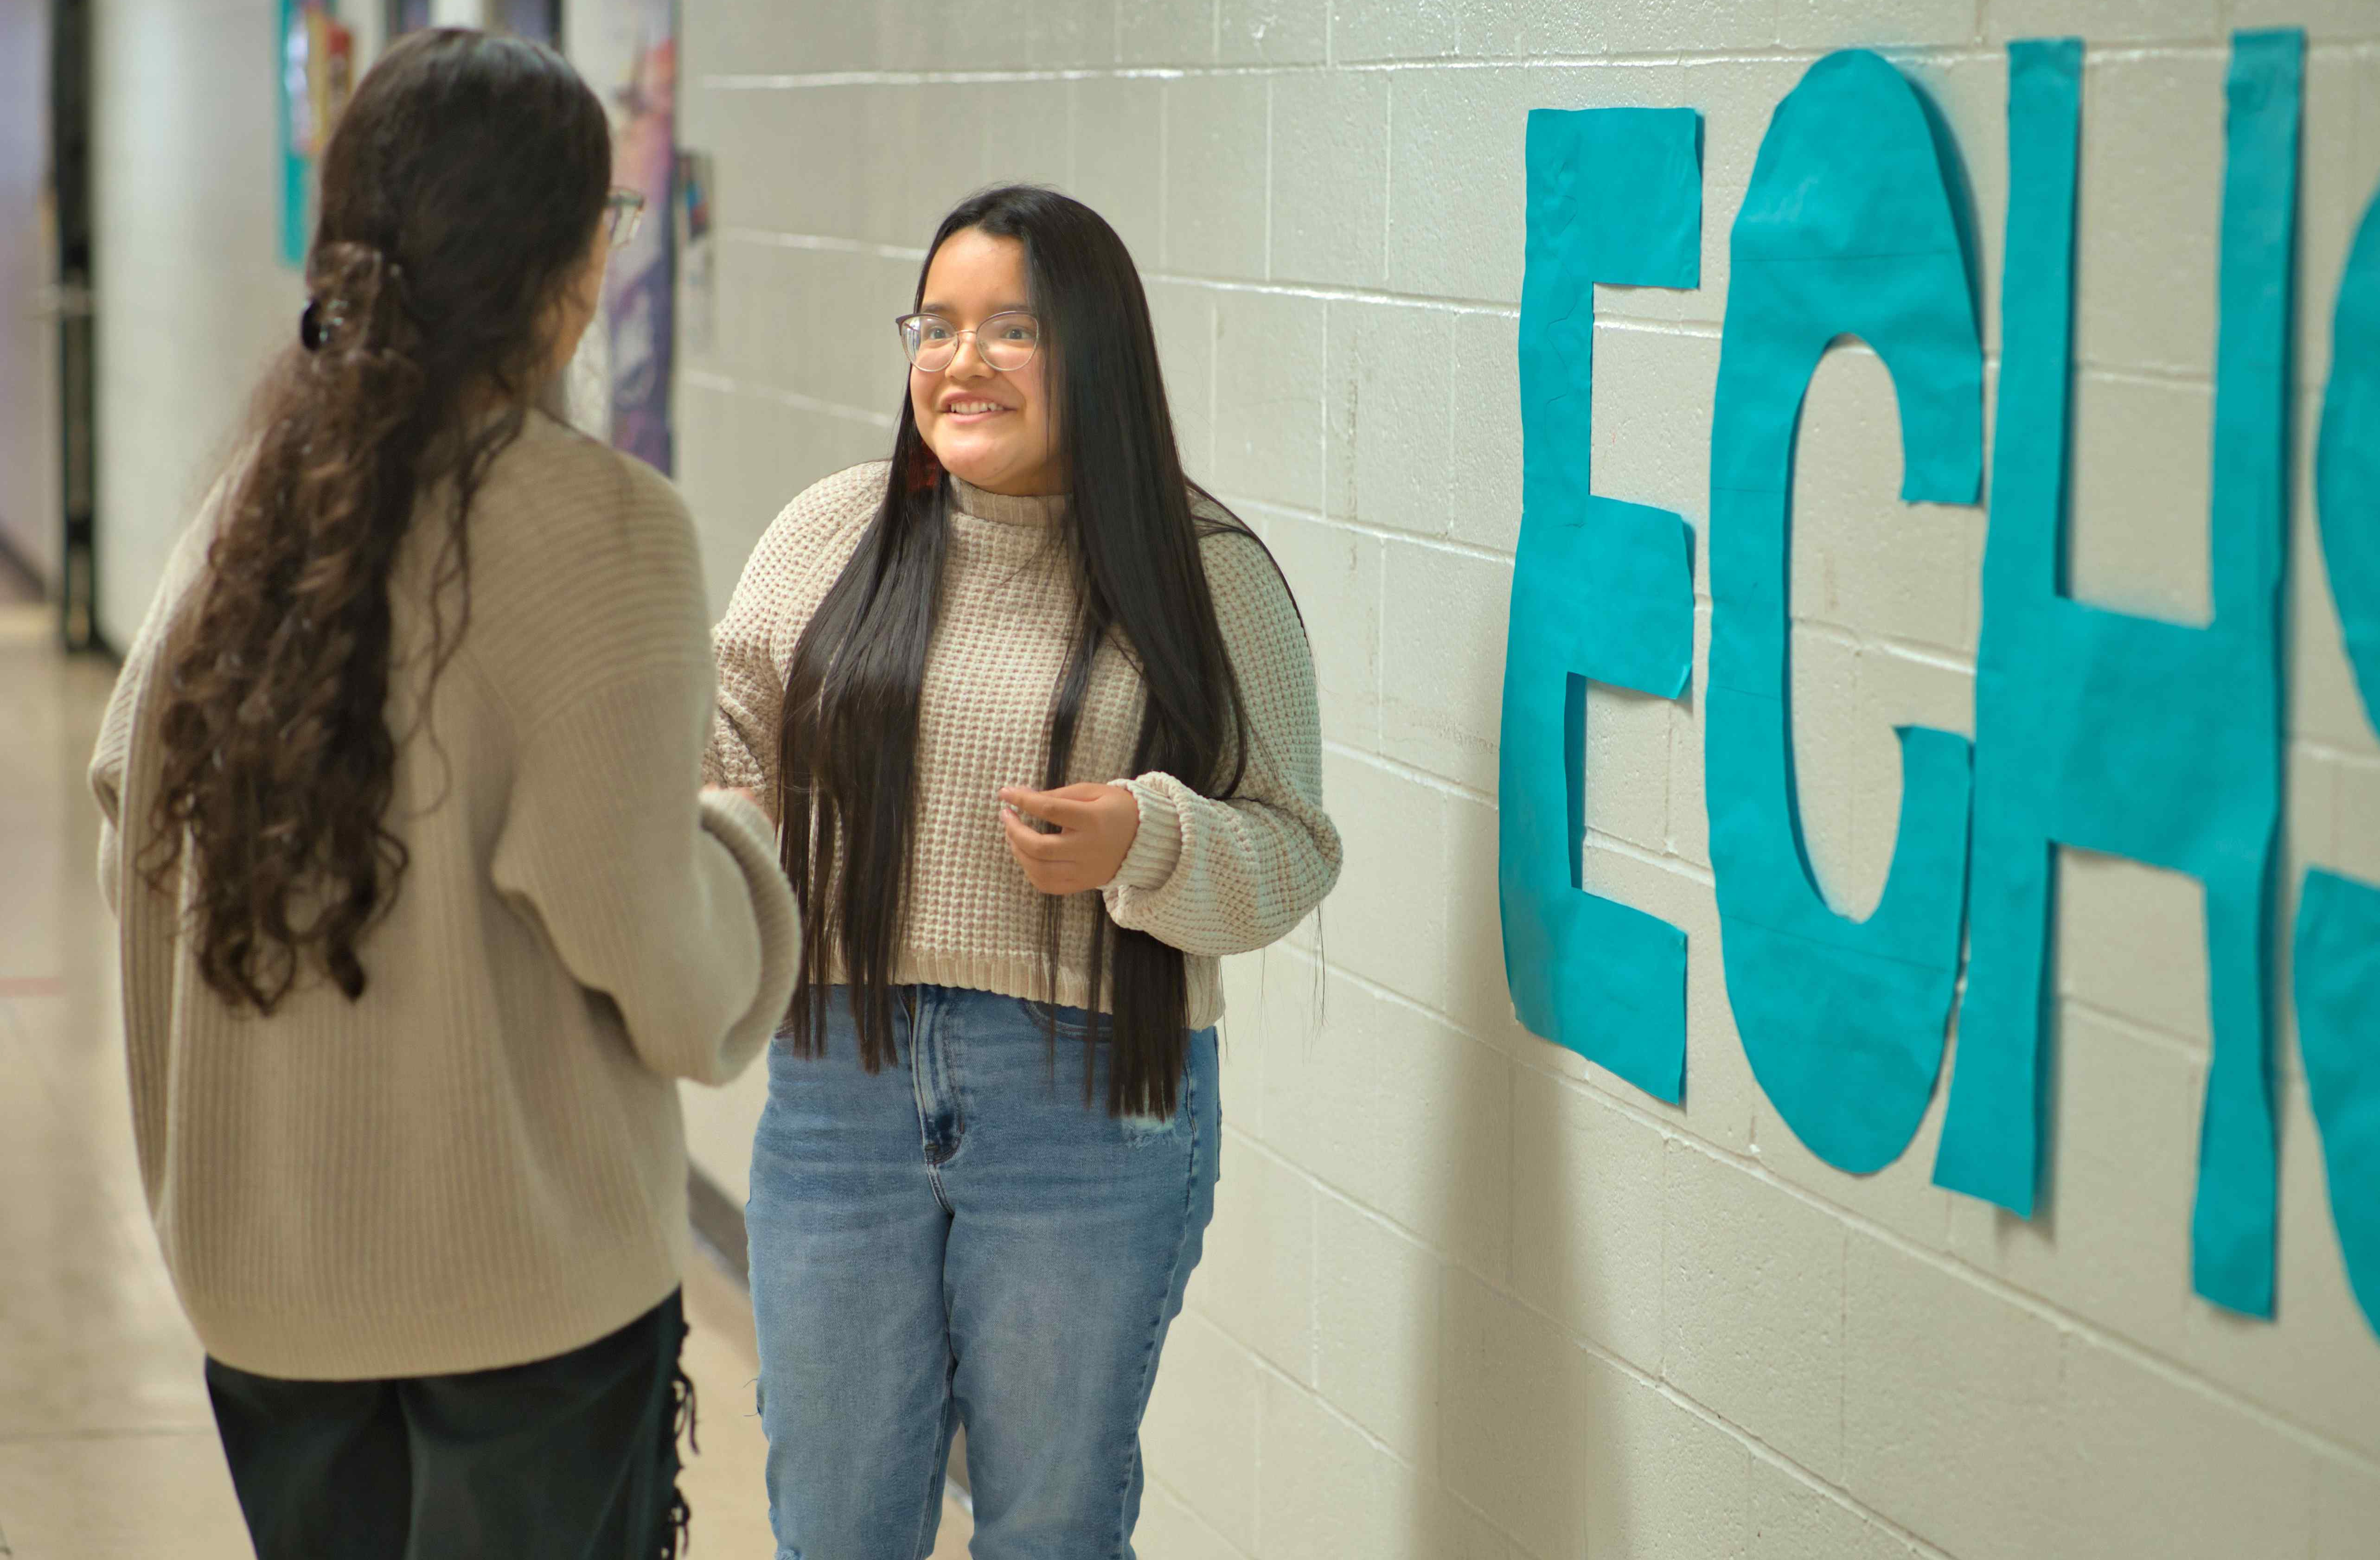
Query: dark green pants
(569,1458)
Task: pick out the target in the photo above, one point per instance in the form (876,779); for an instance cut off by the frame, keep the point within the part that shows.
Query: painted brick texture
(1468,1295)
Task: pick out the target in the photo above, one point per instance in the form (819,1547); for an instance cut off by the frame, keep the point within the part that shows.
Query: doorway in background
(78,421)
(30,532)
(537,19)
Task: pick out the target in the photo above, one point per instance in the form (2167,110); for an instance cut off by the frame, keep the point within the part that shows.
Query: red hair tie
(925,471)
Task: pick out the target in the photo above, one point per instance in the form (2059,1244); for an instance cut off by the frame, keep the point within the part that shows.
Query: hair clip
(315,325)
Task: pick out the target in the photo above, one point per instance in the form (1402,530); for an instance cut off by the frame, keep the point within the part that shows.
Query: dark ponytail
(461,191)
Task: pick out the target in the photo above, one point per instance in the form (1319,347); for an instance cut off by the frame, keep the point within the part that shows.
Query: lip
(996,408)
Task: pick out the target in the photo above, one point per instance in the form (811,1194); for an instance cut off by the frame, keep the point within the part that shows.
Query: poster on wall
(697,255)
(318,59)
(537,20)
(2094,729)
(620,387)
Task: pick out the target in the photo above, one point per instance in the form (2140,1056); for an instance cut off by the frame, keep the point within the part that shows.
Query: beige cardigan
(1209,875)
(481,1161)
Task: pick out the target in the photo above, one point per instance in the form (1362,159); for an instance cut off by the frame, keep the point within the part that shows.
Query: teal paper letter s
(2338,958)
(1601,589)
(1848,228)
(2347,461)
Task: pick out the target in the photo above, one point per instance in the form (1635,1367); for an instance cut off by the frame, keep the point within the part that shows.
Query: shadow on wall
(1529,1421)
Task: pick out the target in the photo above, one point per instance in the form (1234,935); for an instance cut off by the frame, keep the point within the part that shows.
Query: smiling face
(990,426)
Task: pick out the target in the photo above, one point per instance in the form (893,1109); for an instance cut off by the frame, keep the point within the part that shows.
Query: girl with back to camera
(1039,719)
(422,913)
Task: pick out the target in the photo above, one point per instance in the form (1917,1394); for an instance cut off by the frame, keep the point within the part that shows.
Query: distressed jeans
(569,1458)
(958,1240)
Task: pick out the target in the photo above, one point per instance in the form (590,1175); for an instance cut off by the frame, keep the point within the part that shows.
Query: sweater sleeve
(797,558)
(667,900)
(743,748)
(107,760)
(1212,876)
(184,566)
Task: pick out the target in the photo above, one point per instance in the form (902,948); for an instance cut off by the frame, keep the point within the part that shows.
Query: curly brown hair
(462,193)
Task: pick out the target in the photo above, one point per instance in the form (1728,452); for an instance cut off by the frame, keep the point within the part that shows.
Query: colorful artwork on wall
(318,60)
(627,49)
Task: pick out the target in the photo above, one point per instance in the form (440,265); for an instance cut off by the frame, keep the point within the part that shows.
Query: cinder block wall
(1467,1296)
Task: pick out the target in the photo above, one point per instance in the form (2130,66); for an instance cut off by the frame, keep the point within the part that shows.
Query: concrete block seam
(2137,1353)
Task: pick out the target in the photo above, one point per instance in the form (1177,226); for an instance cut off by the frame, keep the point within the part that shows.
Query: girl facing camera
(422,914)
(1038,717)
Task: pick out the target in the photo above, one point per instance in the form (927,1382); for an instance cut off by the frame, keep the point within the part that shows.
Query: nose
(967,362)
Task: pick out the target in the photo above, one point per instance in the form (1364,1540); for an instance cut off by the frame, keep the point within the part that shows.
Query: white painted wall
(1467,1296)
(193,298)
(28,441)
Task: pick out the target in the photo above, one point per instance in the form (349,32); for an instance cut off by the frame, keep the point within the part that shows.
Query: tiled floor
(106,1448)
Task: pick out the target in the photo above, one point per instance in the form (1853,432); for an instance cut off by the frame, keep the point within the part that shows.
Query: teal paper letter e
(1601,591)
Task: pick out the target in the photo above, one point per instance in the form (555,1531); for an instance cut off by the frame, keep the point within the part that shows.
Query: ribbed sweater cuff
(751,838)
(747,815)
(1157,849)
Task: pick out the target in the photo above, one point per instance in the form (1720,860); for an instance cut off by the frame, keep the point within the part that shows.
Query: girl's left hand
(1096,826)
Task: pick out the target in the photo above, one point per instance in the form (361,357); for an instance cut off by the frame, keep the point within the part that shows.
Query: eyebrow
(932,307)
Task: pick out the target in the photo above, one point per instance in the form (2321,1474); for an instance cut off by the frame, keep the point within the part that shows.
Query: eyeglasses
(624,212)
(1004,342)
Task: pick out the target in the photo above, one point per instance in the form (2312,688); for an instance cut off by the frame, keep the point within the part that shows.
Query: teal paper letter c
(1848,228)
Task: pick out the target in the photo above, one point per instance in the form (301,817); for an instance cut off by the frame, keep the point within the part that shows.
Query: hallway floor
(107,1449)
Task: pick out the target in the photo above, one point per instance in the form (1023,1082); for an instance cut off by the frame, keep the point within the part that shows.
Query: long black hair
(847,755)
(461,193)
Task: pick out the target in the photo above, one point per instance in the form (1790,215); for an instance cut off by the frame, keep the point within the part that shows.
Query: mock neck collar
(1003,508)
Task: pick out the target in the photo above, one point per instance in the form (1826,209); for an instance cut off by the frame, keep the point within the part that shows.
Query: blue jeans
(957,1239)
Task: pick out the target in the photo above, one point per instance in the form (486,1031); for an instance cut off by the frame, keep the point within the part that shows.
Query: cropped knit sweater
(480,1162)
(1209,875)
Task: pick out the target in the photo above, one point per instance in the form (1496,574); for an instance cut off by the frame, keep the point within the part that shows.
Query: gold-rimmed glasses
(623,212)
(1005,341)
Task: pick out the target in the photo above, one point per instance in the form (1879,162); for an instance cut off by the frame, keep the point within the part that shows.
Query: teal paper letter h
(2126,734)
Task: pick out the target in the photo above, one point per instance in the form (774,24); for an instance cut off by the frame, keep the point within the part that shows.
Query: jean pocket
(1072,1024)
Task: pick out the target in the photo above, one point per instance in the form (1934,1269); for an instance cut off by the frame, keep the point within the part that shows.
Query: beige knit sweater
(1209,876)
(481,1161)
